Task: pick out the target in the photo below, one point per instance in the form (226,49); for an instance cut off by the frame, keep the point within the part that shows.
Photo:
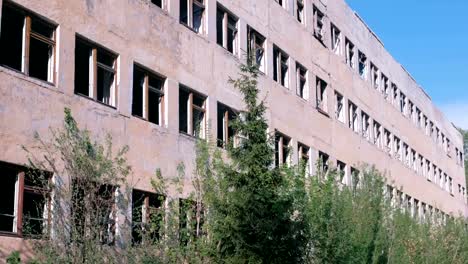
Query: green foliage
(14,258)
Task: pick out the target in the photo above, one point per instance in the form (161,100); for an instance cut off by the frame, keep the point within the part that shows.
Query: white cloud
(457,113)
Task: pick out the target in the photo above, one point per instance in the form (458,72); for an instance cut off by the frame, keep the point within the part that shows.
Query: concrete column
(312,88)
(173,8)
(292,80)
(123,232)
(269,60)
(124,85)
(242,39)
(65,60)
(210,20)
(171,92)
(292,7)
(211,111)
(313,160)
(294,152)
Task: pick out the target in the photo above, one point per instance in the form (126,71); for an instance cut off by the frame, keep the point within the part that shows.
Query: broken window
(353,117)
(323,162)
(395,93)
(339,107)
(374,76)
(280,67)
(303,155)
(192,112)
(403,103)
(226,132)
(282,3)
(427,169)
(355,178)
(388,141)
(191,221)
(300,11)
(93,210)
(95,72)
(319,23)
(341,169)
(321,89)
(407,154)
(377,129)
(148,95)
(397,148)
(301,75)
(157,3)
(349,53)
(192,14)
(147,217)
(450,185)
(418,118)
(365,125)
(335,39)
(25,208)
(226,30)
(362,65)
(385,86)
(27,43)
(282,154)
(256,48)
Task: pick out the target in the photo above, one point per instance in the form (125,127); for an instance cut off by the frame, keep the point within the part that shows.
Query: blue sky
(430,39)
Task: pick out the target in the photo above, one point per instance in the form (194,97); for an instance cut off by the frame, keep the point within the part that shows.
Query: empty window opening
(27,43)
(226,30)
(319,24)
(355,179)
(362,65)
(427,169)
(300,11)
(225,133)
(339,107)
(282,3)
(350,53)
(407,154)
(281,67)
(397,148)
(95,72)
(192,14)
(365,126)
(321,90)
(403,108)
(377,131)
(158,3)
(323,162)
(395,93)
(191,221)
(304,158)
(411,111)
(341,168)
(282,151)
(385,86)
(353,117)
(192,112)
(335,39)
(148,95)
(374,76)
(25,208)
(256,48)
(388,141)
(418,117)
(414,162)
(301,75)
(147,217)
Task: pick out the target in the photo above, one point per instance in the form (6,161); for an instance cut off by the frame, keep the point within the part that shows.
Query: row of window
(417,209)
(25,209)
(356,59)
(372,131)
(96,70)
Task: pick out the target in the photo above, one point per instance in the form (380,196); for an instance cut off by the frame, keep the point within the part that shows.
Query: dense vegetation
(244,209)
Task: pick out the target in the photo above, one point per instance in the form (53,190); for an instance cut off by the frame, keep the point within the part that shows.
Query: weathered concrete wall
(140,32)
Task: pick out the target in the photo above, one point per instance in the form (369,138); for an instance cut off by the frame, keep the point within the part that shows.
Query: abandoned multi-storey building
(151,72)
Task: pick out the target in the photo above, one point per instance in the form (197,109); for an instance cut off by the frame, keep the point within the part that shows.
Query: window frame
(253,37)
(336,37)
(190,15)
(281,61)
(27,34)
(190,109)
(282,149)
(302,83)
(227,15)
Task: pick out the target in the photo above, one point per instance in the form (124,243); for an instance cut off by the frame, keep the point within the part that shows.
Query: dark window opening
(157,2)
(282,150)
(191,112)
(148,95)
(147,217)
(225,131)
(256,50)
(27,43)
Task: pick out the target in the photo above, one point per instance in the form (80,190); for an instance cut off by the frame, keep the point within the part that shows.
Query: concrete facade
(139,32)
